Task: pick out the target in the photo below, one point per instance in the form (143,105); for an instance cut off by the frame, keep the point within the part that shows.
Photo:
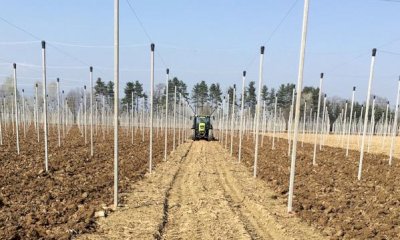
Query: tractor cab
(202,127)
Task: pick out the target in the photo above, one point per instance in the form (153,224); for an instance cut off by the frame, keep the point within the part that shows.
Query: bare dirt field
(329,196)
(200,193)
(378,144)
(60,204)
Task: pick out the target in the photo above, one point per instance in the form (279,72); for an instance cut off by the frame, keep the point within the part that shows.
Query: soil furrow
(200,193)
(160,233)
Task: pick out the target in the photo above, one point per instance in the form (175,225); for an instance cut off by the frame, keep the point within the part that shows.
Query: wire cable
(145,31)
(40,39)
(277,27)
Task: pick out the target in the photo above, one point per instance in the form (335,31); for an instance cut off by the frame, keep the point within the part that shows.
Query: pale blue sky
(211,40)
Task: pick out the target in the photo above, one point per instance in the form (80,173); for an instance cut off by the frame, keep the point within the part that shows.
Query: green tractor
(202,128)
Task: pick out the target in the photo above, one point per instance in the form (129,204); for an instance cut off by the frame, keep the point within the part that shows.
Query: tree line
(205,98)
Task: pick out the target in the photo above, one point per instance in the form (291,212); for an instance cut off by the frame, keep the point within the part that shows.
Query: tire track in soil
(201,210)
(235,203)
(262,215)
(200,193)
(158,235)
(145,214)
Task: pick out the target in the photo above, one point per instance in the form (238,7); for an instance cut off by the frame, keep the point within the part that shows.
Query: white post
(174,139)
(372,127)
(344,124)
(16,106)
(166,116)
(103,116)
(385,128)
(323,125)
(63,113)
(221,139)
(260,77)
(91,110)
(263,123)
(143,118)
(317,118)
(359,123)
(132,110)
(304,122)
(179,118)
(371,76)
(23,113)
(233,117)
(58,112)
(297,113)
(394,130)
(116,96)
(45,106)
(241,117)
(351,116)
(227,123)
(290,122)
(151,105)
(37,112)
(310,121)
(85,113)
(273,134)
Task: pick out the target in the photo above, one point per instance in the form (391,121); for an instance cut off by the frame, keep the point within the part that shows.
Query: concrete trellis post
(179,118)
(304,123)
(257,122)
(291,120)
(263,123)
(91,111)
(323,130)
(64,113)
(23,112)
(360,126)
(297,113)
(344,124)
(166,116)
(274,130)
(371,77)
(151,105)
(385,128)
(116,96)
(227,123)
(45,127)
(16,107)
(58,112)
(222,121)
(85,113)
(233,117)
(372,128)
(37,113)
(310,121)
(132,110)
(350,123)
(241,117)
(174,139)
(317,118)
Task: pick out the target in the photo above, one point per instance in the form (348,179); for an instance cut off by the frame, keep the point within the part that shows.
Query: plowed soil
(329,196)
(201,193)
(378,144)
(61,203)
